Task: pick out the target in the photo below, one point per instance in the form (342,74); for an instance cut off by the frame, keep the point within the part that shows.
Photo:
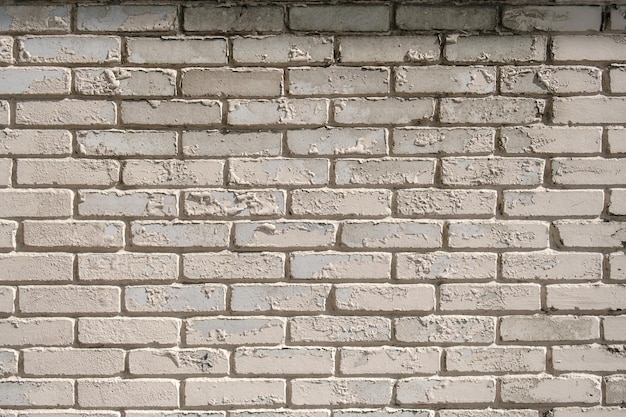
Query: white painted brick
(548,328)
(449,329)
(279,297)
(588,110)
(232,82)
(418,17)
(550,80)
(72,362)
(492,110)
(234,392)
(490,297)
(113,331)
(551,265)
(498,234)
(488,412)
(5,172)
(446,390)
(569,389)
(216,143)
(31,267)
(587,411)
(69,299)
(178,362)
(589,358)
(126,18)
(588,171)
(35,203)
(551,139)
(66,112)
(61,413)
(278,112)
(282,50)
(387,171)
(429,140)
(67,171)
(492,171)
(6,49)
(501,49)
(126,143)
(74,49)
(591,48)
(278,171)
(339,266)
(25,332)
(8,233)
(615,390)
(344,329)
(284,361)
(590,234)
(382,412)
(446,265)
(34,80)
(234,331)
(617,204)
(346,18)
(281,412)
(387,360)
(387,234)
(486,360)
(617,76)
(437,202)
(233,18)
(285,233)
(75,234)
(586,297)
(5,113)
(128,204)
(180,234)
(127,267)
(171,112)
(346,202)
(338,81)
(127,393)
(614,328)
(445,79)
(172,172)
(177,298)
(233,265)
(383,111)
(245,203)
(35,142)
(38,18)
(547,202)
(618,18)
(8,362)
(384,297)
(552,18)
(125,82)
(177,50)
(7,301)
(37,392)
(617,266)
(389,49)
(341,391)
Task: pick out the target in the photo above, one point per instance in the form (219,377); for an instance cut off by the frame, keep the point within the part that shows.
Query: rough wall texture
(380,209)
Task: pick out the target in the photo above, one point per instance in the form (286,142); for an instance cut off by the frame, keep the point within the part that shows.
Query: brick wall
(348,210)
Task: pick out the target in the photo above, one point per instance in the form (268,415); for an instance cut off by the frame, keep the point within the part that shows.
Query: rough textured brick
(586,411)
(8,231)
(233,265)
(127,393)
(5,172)
(180,234)
(283,50)
(418,17)
(224,203)
(284,361)
(446,265)
(591,234)
(551,139)
(382,412)
(388,171)
(126,143)
(615,389)
(341,391)
(178,362)
(384,297)
(234,331)
(614,329)
(279,297)
(551,265)
(383,111)
(492,171)
(285,233)
(490,297)
(552,390)
(588,171)
(442,390)
(245,18)
(125,82)
(445,79)
(392,49)
(617,76)
(590,358)
(346,202)
(501,49)
(344,329)
(74,49)
(175,299)
(126,18)
(487,360)
(563,203)
(29,267)
(489,412)
(129,267)
(588,110)
(35,203)
(217,143)
(617,204)
(68,172)
(348,18)
(73,362)
(436,202)
(234,392)
(386,234)
(8,362)
(340,266)
(617,266)
(550,80)
(37,332)
(446,329)
(498,234)
(5,115)
(35,142)
(173,50)
(591,48)
(389,360)
(238,82)
(172,112)
(279,112)
(37,18)
(127,204)
(37,80)
(7,300)
(618,18)
(428,140)
(548,328)
(552,18)
(586,297)
(69,299)
(76,234)
(338,81)
(66,112)
(491,110)
(128,331)
(6,49)
(37,393)
(172,172)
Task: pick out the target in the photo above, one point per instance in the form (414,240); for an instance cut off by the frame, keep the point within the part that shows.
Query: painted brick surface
(313,209)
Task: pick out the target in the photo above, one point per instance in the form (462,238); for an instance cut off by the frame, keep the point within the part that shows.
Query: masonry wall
(348,210)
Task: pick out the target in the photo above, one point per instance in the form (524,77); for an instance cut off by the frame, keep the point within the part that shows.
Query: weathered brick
(69,299)
(446,390)
(24,332)
(490,297)
(341,391)
(615,389)
(75,234)
(125,81)
(279,297)
(345,329)
(172,172)
(492,110)
(551,265)
(234,331)
(8,362)
(6,49)
(569,389)
(552,18)
(126,143)
(67,171)
(551,139)
(233,18)
(177,50)
(34,80)
(36,18)
(177,298)
(5,172)
(338,81)
(383,111)
(550,80)
(586,411)
(66,112)
(127,267)
(74,49)
(5,113)
(283,50)
(345,18)
(35,142)
(489,412)
(445,79)
(29,267)
(278,171)
(590,234)
(618,18)
(588,171)
(234,392)
(494,48)
(127,204)
(617,204)
(617,266)
(485,360)
(616,139)
(614,328)
(586,297)
(446,265)
(285,233)
(389,49)
(113,331)
(588,110)
(37,392)
(127,393)
(178,362)
(589,358)
(591,48)
(563,203)
(180,234)
(429,140)
(126,18)
(384,297)
(492,171)
(418,17)
(346,202)
(35,203)
(385,171)
(617,76)
(447,329)
(339,265)
(8,233)
(279,112)
(7,301)
(239,203)
(549,328)
(73,362)
(232,82)
(387,234)
(498,234)
(437,202)
(284,361)
(233,265)
(217,143)
(174,112)
(389,360)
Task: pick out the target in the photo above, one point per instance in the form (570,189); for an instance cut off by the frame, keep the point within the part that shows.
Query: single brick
(489,412)
(283,50)
(279,297)
(284,361)
(492,171)
(570,389)
(5,172)
(5,113)
(345,18)
(388,360)
(552,18)
(73,362)
(278,171)
(447,329)
(341,391)
(285,234)
(617,76)
(445,79)
(492,110)
(278,112)
(615,390)
(35,142)
(591,234)
(383,111)
(34,80)
(446,390)
(180,234)
(177,50)
(618,17)
(617,204)
(551,139)
(346,202)
(594,48)
(233,265)
(551,265)
(37,393)
(127,267)
(127,393)
(232,82)
(172,112)
(35,203)
(339,265)
(486,360)
(217,143)
(69,299)
(35,18)
(126,143)
(239,203)
(338,81)
(234,331)
(32,267)
(490,297)
(281,413)
(389,49)
(337,141)
(26,332)
(495,48)
(127,204)
(550,80)
(541,328)
(387,234)
(6,49)
(384,297)
(178,362)
(8,362)
(465,18)
(588,171)
(234,392)
(66,112)
(173,172)
(602,411)
(617,266)
(68,172)
(69,49)
(586,297)
(8,234)
(7,301)
(345,329)
(588,110)
(113,331)
(437,202)
(233,18)
(385,171)
(589,358)
(75,234)
(558,203)
(177,298)
(446,265)
(498,234)
(126,18)
(125,81)
(614,328)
